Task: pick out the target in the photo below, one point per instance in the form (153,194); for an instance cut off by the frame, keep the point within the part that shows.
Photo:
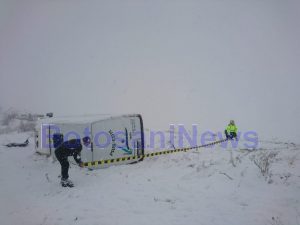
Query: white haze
(201,62)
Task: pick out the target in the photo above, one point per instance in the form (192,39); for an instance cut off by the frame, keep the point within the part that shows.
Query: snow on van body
(111,136)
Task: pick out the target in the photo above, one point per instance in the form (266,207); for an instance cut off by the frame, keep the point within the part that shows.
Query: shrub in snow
(263,161)
(8,117)
(26,126)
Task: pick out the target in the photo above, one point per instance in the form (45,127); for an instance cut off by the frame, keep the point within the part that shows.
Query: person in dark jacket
(73,148)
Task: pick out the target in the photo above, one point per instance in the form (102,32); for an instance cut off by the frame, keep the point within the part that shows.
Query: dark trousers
(230,135)
(63,160)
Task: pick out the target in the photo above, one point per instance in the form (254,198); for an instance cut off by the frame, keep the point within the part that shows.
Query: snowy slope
(208,186)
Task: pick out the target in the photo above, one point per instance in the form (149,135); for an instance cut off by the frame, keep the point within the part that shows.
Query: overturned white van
(112,137)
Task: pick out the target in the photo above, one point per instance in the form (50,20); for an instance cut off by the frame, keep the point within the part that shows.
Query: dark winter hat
(86,139)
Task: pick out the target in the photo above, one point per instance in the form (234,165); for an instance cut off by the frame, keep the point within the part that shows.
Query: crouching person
(231,130)
(65,149)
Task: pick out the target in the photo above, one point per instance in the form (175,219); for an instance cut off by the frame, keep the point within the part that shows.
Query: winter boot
(66,183)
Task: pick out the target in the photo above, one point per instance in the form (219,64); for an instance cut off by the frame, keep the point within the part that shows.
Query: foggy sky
(202,62)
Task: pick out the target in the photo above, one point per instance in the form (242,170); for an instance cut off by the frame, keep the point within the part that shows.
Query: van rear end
(118,137)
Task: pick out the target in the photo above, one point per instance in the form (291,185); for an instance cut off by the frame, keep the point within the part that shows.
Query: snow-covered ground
(207,186)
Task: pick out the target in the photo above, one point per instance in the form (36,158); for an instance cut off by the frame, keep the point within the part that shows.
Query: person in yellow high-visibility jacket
(231,130)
